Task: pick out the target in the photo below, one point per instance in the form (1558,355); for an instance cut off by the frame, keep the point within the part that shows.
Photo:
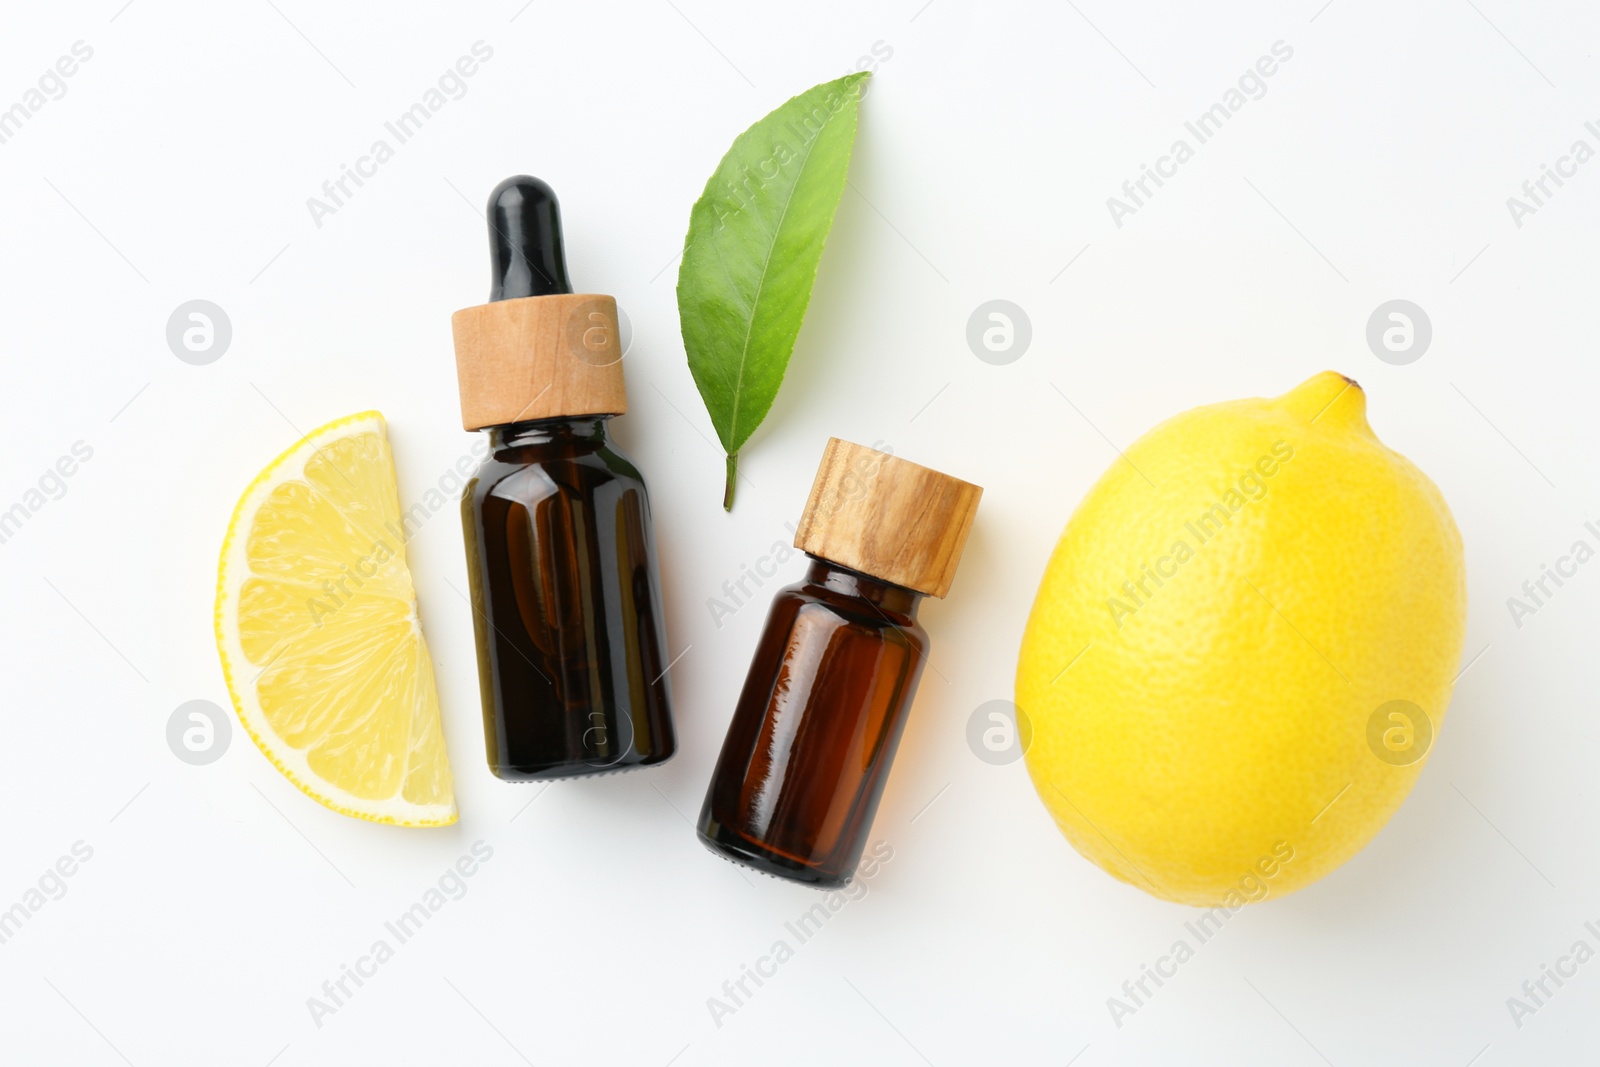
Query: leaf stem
(733,479)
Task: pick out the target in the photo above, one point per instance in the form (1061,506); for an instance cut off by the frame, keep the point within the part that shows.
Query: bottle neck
(575,431)
(891,598)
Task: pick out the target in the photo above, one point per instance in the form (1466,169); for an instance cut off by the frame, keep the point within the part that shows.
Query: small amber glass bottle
(571,650)
(829,689)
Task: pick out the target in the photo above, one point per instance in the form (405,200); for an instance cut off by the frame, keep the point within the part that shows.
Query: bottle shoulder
(536,471)
(805,597)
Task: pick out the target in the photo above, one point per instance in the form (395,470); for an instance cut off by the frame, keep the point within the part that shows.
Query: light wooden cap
(539,357)
(887,517)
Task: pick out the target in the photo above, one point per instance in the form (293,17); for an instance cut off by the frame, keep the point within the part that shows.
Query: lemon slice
(317,628)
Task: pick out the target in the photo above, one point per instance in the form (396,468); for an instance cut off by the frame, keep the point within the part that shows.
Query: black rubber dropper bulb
(525,240)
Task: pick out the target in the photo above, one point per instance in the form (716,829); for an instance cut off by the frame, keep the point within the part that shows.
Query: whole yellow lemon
(1243,648)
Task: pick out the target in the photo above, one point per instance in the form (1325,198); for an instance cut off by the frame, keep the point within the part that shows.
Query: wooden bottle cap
(539,357)
(887,517)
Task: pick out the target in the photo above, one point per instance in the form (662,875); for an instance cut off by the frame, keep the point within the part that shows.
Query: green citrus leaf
(750,257)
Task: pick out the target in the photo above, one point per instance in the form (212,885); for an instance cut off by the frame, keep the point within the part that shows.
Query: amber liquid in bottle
(570,647)
(816,727)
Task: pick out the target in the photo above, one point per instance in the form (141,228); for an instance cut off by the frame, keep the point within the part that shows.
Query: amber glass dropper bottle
(571,650)
(816,727)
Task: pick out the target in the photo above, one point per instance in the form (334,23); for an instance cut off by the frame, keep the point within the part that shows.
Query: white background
(218,899)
